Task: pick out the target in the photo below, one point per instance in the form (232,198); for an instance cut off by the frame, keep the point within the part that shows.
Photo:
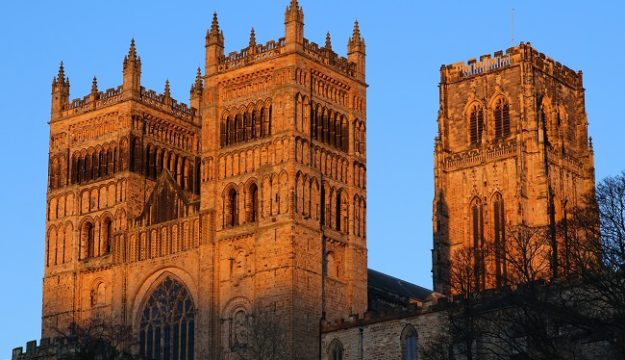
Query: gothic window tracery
(167,329)
(476,124)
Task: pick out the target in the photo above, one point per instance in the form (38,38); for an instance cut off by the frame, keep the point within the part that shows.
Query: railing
(476,156)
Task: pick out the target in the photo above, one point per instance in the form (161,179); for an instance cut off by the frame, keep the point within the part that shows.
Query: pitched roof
(395,286)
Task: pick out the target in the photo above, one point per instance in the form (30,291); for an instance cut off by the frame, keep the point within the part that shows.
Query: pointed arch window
(167,329)
(409,343)
(500,238)
(335,352)
(502,119)
(476,124)
(477,237)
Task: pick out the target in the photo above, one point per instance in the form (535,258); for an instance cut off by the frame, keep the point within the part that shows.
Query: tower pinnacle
(214,25)
(167,92)
(214,36)
(61,75)
(132,51)
(94,85)
(252,39)
(132,71)
(328,41)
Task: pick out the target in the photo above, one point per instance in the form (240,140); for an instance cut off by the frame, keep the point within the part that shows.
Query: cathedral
(189,223)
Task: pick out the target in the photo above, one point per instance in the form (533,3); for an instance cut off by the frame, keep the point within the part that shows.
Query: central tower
(283,181)
(512,150)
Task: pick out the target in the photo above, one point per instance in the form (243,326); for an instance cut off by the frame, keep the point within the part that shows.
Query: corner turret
(294,27)
(60,93)
(214,47)
(356,52)
(132,73)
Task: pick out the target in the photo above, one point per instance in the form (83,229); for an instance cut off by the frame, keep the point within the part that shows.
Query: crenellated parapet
(48,349)
(523,53)
(251,55)
(130,89)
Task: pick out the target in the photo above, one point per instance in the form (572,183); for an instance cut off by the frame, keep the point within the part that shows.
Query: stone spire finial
(167,91)
(94,85)
(294,5)
(132,51)
(214,36)
(61,75)
(214,25)
(356,41)
(198,78)
(294,12)
(356,33)
(328,41)
(252,38)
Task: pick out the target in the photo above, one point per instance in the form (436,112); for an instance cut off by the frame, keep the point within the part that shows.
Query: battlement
(47,349)
(524,52)
(272,49)
(101,99)
(329,57)
(251,55)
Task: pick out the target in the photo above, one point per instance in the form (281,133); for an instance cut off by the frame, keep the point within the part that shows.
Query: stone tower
(512,148)
(247,205)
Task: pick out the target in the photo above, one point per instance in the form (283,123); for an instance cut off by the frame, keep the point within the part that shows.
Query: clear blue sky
(407,41)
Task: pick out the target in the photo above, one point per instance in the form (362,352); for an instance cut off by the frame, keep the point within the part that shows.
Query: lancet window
(476,124)
(502,119)
(500,236)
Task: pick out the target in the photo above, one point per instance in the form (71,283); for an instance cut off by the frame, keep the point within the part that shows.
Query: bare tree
(96,340)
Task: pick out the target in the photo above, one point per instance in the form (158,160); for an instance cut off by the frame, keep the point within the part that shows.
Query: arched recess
(106,235)
(167,322)
(230,206)
(251,203)
(151,284)
(235,322)
(336,350)
(409,343)
(476,212)
(87,239)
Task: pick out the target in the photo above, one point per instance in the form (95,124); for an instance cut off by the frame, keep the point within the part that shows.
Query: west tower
(512,148)
(283,180)
(250,202)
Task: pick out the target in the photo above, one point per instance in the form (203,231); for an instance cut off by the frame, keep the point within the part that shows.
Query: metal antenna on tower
(512,27)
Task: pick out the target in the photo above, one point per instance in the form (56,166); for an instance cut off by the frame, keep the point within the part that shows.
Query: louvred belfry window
(476,124)
(168,323)
(502,119)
